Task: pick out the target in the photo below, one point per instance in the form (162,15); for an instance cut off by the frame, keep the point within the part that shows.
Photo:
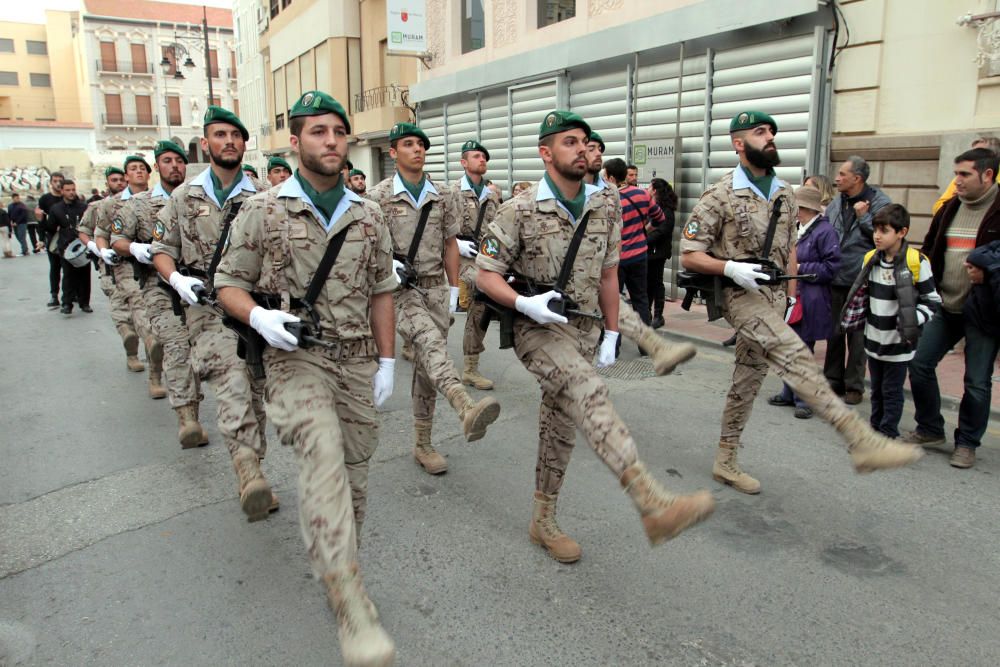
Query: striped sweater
(637,208)
(882,338)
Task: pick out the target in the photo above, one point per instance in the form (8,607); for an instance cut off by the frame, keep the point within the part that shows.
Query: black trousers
(887,395)
(33,234)
(844,366)
(634,277)
(55,267)
(654,284)
(75,284)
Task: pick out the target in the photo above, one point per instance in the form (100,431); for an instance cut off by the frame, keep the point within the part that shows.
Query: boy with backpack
(893,297)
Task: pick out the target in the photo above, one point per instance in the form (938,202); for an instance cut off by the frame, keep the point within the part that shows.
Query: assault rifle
(709,287)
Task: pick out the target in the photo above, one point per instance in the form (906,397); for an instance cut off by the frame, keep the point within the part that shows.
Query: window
(6,45)
(109,62)
(170,54)
(554,11)
(8,78)
(139,65)
(143,110)
(113,109)
(285,3)
(40,80)
(232,64)
(174,109)
(37,48)
(274,8)
(213,63)
(473,25)
(236,107)
(279,121)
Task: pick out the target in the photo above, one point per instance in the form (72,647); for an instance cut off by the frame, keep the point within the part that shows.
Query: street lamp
(197,43)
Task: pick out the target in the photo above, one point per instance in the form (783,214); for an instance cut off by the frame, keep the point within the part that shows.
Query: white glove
(537,308)
(183,285)
(789,307)
(745,275)
(606,354)
(109,256)
(94,250)
(271,325)
(141,252)
(397,266)
(452,299)
(383,380)
(467,249)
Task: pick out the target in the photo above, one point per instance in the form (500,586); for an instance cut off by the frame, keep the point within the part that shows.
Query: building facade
(250,19)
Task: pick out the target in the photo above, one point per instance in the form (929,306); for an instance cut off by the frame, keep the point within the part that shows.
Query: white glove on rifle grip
(183,284)
(467,249)
(383,380)
(537,308)
(141,252)
(271,325)
(397,266)
(452,300)
(745,275)
(94,250)
(606,353)
(109,256)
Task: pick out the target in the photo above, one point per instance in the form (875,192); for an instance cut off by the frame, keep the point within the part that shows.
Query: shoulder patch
(117,226)
(158,231)
(691,229)
(490,247)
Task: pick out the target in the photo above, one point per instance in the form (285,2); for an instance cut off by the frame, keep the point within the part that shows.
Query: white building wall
(249,19)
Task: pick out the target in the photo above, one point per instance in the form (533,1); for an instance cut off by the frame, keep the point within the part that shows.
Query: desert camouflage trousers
(182,385)
(573,397)
(472,340)
(423,322)
(121,316)
(764,340)
(128,290)
(239,398)
(323,409)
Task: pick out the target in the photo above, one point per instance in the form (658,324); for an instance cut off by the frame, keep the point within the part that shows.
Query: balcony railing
(124,67)
(383,96)
(129,120)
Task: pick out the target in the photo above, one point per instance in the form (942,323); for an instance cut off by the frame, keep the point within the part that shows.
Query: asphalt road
(118,548)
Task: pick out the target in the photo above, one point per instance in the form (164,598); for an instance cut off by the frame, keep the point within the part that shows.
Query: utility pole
(208,59)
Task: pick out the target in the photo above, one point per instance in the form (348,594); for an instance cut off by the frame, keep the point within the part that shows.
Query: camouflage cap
(317,103)
(746,120)
(594,136)
(214,114)
(400,130)
(113,170)
(250,168)
(166,146)
(473,145)
(278,161)
(357,172)
(135,158)
(562,121)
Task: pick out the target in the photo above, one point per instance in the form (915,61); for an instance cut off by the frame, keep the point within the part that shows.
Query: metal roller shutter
(462,126)
(601,100)
(529,104)
(773,77)
(493,136)
(431,121)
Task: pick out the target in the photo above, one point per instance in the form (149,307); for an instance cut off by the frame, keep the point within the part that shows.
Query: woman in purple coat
(817,251)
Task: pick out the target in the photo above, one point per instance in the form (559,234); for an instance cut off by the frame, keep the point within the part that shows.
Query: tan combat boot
(189,431)
(543,530)
(664,515)
(255,492)
(156,388)
(471,375)
(475,416)
(665,356)
(728,471)
(424,452)
(872,451)
(363,641)
(131,343)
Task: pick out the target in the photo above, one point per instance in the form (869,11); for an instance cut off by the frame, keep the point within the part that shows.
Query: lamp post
(194,42)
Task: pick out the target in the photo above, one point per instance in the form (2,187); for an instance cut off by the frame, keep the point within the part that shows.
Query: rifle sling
(425,213)
(323,271)
(234,209)
(479,221)
(574,247)
(771,227)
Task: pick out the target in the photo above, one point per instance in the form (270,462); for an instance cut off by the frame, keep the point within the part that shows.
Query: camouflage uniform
(137,224)
(120,313)
(320,400)
(187,230)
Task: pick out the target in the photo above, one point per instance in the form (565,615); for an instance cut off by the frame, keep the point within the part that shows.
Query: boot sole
(430,470)
(679,517)
(137,368)
(686,353)
(864,467)
(190,440)
(157,395)
(552,554)
(470,383)
(256,500)
(729,482)
(478,429)
(384,660)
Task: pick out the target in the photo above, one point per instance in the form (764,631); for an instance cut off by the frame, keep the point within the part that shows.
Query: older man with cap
(278,170)
(476,204)
(744,228)
(424,226)
(558,237)
(310,252)
(188,237)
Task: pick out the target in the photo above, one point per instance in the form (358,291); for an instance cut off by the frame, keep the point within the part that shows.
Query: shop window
(473,25)
(554,11)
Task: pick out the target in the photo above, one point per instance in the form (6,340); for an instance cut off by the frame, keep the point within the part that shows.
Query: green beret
(135,158)
(473,145)
(562,121)
(113,170)
(356,172)
(317,103)
(216,114)
(169,147)
(594,136)
(278,161)
(746,120)
(249,167)
(400,130)
(349,165)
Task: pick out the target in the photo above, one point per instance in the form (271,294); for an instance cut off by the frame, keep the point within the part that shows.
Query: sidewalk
(695,326)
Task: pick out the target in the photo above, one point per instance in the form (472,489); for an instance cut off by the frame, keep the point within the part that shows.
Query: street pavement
(118,548)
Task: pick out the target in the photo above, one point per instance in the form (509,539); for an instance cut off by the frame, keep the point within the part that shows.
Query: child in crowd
(892,297)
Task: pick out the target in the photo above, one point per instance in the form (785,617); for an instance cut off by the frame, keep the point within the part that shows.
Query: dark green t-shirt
(221,193)
(762,183)
(477,187)
(575,205)
(327,201)
(414,188)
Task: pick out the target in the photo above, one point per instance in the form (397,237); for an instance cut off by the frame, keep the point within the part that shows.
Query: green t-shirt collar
(327,201)
(575,205)
(414,188)
(477,187)
(222,194)
(762,183)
